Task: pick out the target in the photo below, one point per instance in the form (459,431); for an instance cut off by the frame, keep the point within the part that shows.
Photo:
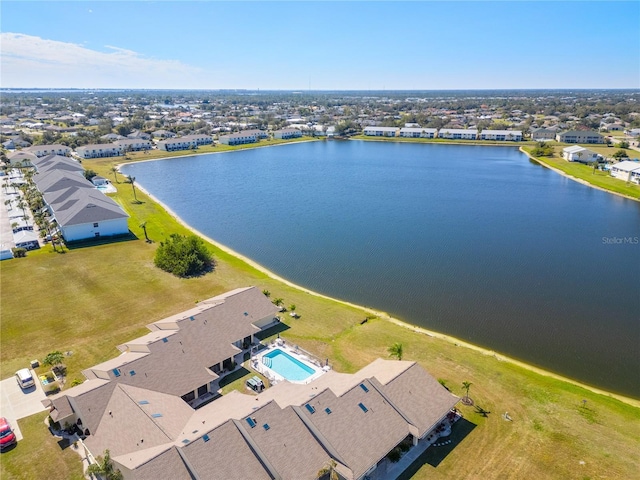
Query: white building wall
(106,228)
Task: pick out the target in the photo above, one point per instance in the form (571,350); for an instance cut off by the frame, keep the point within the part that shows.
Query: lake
(477,242)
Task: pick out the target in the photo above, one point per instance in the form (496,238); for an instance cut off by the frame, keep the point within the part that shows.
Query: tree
(115,173)
(132,181)
(143,226)
(183,256)
(89,174)
(105,467)
(466,385)
(395,350)
(292,307)
(624,144)
(278,302)
(328,471)
(618,155)
(53,359)
(266,293)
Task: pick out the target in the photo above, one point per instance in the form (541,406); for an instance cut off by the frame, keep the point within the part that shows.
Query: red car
(7,437)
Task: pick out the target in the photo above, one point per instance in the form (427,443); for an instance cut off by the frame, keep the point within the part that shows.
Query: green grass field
(88,300)
(587,174)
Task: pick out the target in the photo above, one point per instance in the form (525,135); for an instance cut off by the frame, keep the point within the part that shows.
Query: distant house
(99,151)
(633,132)
(580,136)
(184,143)
(21,158)
(163,134)
(541,134)
(287,133)
(628,171)
(138,135)
(418,132)
(612,127)
(260,134)
(44,150)
(580,154)
(458,133)
(381,131)
(501,135)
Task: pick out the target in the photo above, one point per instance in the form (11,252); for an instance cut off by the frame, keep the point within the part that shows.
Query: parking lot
(16,403)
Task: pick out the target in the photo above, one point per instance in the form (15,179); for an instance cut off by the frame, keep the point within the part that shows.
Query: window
(95,225)
(97,234)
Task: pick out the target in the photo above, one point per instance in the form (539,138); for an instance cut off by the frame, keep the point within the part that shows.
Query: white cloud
(30,61)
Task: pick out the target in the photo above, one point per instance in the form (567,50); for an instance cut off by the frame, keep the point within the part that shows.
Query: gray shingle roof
(86,205)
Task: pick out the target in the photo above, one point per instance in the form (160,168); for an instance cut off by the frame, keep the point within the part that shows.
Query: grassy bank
(586,174)
(88,300)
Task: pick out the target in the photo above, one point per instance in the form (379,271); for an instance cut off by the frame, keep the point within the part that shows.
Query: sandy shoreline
(383,315)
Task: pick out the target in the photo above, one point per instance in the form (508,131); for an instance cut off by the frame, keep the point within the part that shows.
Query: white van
(24,378)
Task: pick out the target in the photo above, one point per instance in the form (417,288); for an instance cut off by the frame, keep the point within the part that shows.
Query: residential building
(184,143)
(140,405)
(541,134)
(133,145)
(381,131)
(418,132)
(458,133)
(501,135)
(21,158)
(632,132)
(628,171)
(239,138)
(27,239)
(576,153)
(44,150)
(287,133)
(57,162)
(580,136)
(163,134)
(99,151)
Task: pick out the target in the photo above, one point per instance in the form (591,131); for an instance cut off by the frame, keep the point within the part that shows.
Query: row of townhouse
(81,211)
(115,149)
(187,142)
(446,133)
(140,405)
(580,136)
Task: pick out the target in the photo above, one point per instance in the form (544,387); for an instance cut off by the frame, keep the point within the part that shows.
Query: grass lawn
(88,300)
(587,174)
(39,455)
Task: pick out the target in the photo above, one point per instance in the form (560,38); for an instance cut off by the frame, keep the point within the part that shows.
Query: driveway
(16,403)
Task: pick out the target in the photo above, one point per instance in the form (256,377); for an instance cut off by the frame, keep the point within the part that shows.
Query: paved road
(16,403)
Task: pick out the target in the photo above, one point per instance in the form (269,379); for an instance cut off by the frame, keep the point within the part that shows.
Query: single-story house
(135,405)
(580,136)
(26,239)
(577,153)
(381,131)
(628,171)
(458,133)
(501,135)
(418,132)
(287,133)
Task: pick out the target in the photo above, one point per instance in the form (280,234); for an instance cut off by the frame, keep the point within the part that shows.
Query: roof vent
(191,318)
(143,402)
(185,441)
(364,409)
(165,340)
(246,314)
(132,373)
(266,426)
(205,437)
(328,410)
(156,415)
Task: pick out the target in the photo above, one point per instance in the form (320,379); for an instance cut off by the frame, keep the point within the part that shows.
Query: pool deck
(297,353)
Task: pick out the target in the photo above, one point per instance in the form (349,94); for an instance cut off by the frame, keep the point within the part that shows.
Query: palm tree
(143,226)
(266,293)
(292,307)
(278,302)
(105,467)
(328,469)
(466,385)
(395,350)
(132,180)
(115,173)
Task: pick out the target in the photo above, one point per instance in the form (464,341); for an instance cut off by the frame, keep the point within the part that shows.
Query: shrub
(19,252)
(183,256)
(394,455)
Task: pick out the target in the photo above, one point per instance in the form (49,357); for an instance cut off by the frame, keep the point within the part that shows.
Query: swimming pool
(287,366)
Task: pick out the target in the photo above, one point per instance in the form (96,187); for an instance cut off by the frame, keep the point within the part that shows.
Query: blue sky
(320,45)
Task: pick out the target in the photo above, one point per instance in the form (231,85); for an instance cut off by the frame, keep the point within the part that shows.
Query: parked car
(7,437)
(24,378)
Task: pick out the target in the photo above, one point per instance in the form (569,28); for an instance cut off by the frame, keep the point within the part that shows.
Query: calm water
(476,242)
